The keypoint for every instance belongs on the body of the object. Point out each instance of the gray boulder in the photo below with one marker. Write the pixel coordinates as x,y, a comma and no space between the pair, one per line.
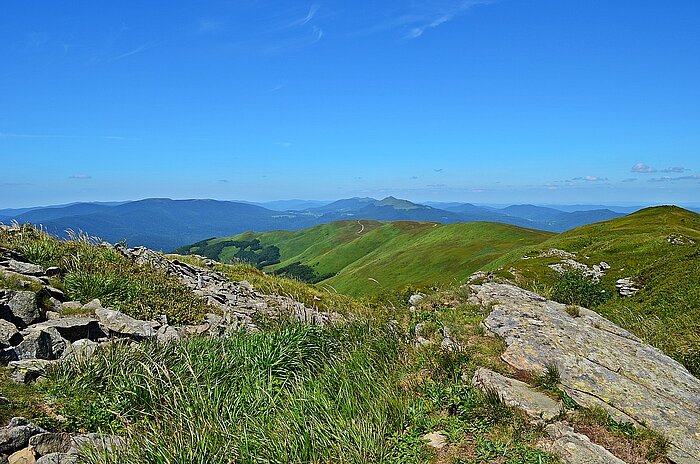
600,364
58,458
48,443
28,370
9,335
80,349
36,345
118,323
15,436
24,268
574,448
20,308
100,442
72,328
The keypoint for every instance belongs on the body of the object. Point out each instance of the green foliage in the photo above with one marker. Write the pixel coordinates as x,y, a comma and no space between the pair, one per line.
575,288
301,272
249,251
549,379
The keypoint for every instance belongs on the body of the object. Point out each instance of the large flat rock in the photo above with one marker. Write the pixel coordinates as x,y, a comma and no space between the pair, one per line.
600,364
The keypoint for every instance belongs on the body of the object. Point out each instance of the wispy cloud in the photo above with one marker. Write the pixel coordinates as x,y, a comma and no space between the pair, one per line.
672,179
223,181
630,179
642,168
80,177
438,170
421,18
591,179
676,170
134,51
413,177
207,25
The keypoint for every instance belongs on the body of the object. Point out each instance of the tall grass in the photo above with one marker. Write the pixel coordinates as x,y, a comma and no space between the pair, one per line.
293,394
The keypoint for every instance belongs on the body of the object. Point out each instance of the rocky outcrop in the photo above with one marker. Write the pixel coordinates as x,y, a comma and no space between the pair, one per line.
600,364
34,333
25,442
626,287
119,324
238,302
517,394
574,448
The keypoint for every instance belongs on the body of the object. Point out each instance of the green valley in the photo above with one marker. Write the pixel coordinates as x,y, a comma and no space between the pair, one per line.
364,257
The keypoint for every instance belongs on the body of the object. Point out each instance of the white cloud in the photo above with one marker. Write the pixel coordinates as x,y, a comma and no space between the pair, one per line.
643,168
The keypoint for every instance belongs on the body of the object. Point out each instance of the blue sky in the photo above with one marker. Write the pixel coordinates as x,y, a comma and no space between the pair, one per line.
505,101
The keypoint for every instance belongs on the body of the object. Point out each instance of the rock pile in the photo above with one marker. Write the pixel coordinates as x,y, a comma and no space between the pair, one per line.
626,287
237,301
35,333
600,364
22,442
595,272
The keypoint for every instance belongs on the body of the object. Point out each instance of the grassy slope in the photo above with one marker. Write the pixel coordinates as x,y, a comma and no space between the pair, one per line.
386,256
291,393
666,312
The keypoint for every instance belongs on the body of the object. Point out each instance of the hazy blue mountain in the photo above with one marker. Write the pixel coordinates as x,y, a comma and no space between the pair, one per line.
291,205
532,212
341,206
567,221
166,224
616,209
39,216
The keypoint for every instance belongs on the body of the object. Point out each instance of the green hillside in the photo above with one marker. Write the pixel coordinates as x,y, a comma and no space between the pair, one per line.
658,248
370,257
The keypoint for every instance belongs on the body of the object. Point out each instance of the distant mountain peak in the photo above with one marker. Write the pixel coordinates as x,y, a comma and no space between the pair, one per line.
397,203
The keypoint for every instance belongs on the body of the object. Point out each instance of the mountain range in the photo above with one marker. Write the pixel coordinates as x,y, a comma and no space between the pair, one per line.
166,224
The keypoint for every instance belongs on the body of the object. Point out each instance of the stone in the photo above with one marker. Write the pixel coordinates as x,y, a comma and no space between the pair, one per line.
80,349
600,364
518,394
55,293
72,328
92,306
436,440
415,299
25,456
118,323
28,370
9,335
167,333
53,271
47,443
36,345
626,287
58,458
21,307
100,442
574,448
15,436
24,268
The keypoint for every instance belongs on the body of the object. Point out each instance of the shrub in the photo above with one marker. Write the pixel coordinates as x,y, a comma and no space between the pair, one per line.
575,288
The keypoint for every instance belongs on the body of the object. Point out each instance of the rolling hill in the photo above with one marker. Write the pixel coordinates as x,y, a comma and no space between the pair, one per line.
658,249
363,257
